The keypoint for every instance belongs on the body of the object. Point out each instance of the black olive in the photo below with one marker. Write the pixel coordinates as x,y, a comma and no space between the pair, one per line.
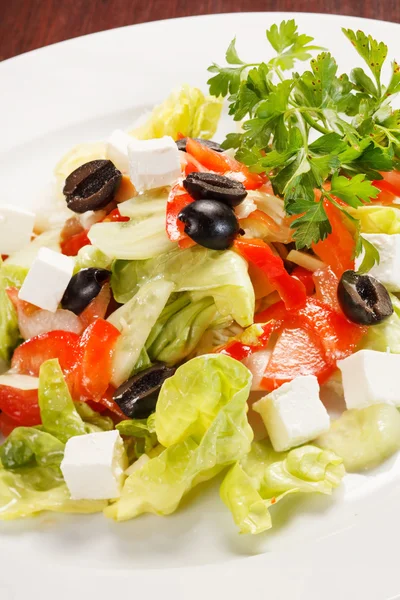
83,288
210,223
211,186
363,299
137,397
92,186
209,143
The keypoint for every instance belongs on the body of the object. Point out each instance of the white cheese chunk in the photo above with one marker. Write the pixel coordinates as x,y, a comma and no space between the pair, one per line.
47,279
388,269
117,149
93,466
370,377
153,163
16,228
293,414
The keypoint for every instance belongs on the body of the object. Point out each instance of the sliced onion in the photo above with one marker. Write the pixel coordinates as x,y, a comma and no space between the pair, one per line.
257,364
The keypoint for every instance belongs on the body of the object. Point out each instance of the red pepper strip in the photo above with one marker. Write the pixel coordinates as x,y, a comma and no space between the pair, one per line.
177,200
291,290
389,183
236,349
222,163
326,285
71,246
337,249
115,217
306,278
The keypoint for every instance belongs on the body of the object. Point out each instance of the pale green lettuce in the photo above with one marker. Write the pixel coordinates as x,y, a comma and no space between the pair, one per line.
386,335
212,430
263,477
364,438
57,410
186,111
93,420
26,255
10,276
28,446
89,256
144,432
378,219
135,321
203,272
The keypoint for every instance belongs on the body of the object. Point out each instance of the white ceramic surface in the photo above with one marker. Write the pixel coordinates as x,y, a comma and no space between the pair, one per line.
344,547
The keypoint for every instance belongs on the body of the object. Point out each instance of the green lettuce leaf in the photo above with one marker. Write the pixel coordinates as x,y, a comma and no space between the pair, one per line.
132,240
364,438
182,332
222,437
263,477
9,331
27,446
386,335
148,204
144,432
27,491
26,255
203,272
191,399
89,256
58,412
378,219
93,420
186,111
135,321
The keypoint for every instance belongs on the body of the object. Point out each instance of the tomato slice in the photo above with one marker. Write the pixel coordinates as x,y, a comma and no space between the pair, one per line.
91,376
7,424
72,245
296,352
20,405
29,356
306,278
291,290
222,163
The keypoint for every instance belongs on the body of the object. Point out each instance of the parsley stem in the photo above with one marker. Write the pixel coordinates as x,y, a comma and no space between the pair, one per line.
302,128
314,124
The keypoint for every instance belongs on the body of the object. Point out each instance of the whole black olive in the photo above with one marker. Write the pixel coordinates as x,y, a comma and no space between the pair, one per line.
92,186
209,143
363,299
211,186
83,288
210,223
137,397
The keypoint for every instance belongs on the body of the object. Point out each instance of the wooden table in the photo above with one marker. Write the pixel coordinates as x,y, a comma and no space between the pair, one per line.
29,24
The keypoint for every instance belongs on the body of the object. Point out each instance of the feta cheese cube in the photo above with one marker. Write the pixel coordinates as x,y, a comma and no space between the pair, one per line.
47,279
117,149
370,377
293,414
153,163
93,466
16,228
388,270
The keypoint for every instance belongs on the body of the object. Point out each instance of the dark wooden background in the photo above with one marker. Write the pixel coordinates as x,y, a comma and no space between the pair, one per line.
29,24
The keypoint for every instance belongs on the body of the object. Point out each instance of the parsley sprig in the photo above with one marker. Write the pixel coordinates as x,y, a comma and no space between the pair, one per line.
313,131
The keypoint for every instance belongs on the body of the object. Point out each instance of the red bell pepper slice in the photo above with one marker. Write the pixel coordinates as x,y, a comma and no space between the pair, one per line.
219,162
72,245
20,405
338,248
291,290
177,200
29,356
306,278
7,424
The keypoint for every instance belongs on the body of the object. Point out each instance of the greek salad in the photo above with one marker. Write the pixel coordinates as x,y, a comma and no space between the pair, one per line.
200,301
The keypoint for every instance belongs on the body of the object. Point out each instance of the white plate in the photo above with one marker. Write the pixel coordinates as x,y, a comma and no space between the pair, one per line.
320,549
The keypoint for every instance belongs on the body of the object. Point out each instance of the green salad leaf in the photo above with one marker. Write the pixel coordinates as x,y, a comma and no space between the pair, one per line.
26,255
27,446
221,437
205,273
386,335
263,477
186,111
364,438
93,420
144,432
27,491
58,412
135,321
9,331
89,256
378,219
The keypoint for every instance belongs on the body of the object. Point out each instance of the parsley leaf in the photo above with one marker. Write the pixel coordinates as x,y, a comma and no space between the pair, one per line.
312,226
231,55
354,191
289,44
374,53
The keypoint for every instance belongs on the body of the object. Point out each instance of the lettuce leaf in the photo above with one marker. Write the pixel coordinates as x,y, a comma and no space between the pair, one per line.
58,412
27,491
76,157
26,255
93,420
386,335
28,445
132,240
191,399
148,204
222,436
135,321
9,331
144,432
263,477
182,332
203,272
186,111
364,438
378,219
89,256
